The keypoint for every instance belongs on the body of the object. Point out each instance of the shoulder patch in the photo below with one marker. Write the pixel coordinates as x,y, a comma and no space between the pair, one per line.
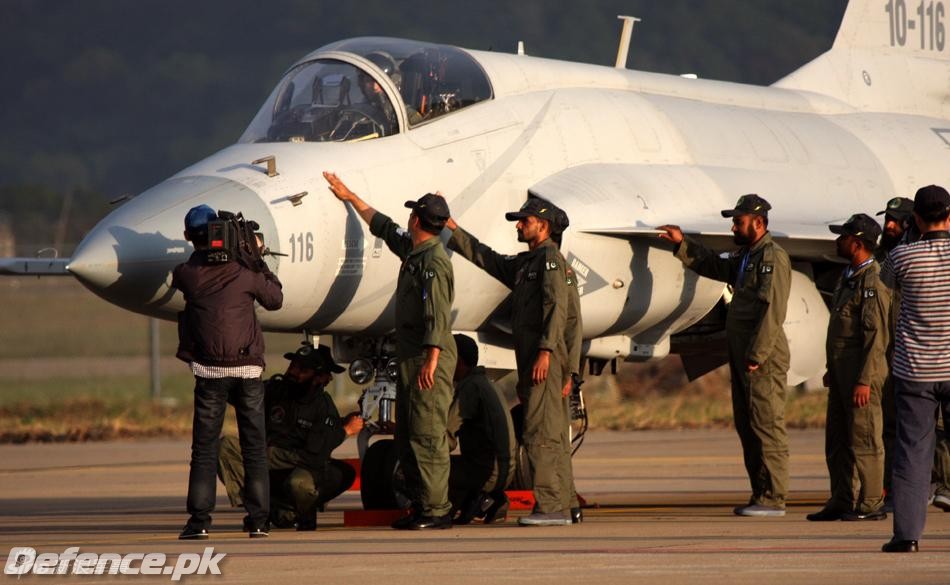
869,293
551,265
428,274
766,268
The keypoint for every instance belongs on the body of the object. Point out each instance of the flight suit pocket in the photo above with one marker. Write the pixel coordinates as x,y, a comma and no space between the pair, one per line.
764,281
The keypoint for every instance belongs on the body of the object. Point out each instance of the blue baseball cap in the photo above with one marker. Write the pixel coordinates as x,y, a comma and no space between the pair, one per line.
198,217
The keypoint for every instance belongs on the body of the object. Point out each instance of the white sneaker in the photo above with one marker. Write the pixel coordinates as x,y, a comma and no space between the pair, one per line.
759,511
550,519
942,502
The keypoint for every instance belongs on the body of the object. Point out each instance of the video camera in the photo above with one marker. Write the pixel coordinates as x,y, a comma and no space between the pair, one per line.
231,237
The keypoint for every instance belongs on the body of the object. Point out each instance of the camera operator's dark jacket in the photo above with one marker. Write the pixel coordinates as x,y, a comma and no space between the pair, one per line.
218,326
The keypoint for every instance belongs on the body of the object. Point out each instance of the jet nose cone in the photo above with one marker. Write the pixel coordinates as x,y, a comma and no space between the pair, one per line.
128,257
127,265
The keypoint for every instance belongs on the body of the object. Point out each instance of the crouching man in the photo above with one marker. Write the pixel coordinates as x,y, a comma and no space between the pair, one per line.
303,429
479,421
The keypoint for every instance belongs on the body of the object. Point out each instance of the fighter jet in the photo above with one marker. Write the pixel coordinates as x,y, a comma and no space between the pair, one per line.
621,151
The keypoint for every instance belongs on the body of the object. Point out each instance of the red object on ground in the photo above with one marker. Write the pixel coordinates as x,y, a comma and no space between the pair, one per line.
355,464
355,518
520,499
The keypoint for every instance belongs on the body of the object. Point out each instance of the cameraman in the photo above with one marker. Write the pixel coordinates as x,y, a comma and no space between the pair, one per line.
220,338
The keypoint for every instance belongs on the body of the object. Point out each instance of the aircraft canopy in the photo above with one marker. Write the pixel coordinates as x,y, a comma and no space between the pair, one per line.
331,100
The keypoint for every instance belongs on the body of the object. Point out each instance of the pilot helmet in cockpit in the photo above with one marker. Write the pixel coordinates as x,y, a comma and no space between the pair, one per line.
387,64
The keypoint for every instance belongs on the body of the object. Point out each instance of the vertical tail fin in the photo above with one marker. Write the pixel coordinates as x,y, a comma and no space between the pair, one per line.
913,28
889,55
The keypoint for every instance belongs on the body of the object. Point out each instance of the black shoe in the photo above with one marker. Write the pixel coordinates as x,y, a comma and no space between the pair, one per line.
404,522
498,512
259,532
431,522
577,515
306,525
900,546
856,516
825,515
281,523
192,533
474,507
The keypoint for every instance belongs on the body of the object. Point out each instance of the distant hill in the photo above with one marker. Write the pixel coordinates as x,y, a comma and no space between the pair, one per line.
105,97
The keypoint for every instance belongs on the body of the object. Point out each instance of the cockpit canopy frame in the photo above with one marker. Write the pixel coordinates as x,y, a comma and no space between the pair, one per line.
368,87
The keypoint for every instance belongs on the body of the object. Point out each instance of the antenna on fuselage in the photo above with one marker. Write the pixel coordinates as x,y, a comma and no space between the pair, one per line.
521,47
625,34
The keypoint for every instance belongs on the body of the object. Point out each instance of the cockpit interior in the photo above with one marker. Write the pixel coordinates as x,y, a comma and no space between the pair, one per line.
333,100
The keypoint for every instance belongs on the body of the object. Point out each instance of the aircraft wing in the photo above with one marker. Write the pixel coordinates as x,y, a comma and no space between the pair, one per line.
803,241
34,267
629,201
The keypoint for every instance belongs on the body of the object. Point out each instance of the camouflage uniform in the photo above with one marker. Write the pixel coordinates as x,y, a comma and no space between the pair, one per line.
303,429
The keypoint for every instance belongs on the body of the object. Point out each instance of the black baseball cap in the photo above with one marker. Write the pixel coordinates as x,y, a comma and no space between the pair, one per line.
859,225
900,208
562,222
931,200
316,358
467,349
537,207
750,204
430,207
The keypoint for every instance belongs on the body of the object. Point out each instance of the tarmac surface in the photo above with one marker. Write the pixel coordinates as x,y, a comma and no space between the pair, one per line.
663,514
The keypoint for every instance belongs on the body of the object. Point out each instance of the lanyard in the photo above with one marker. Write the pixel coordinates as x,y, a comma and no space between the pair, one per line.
849,271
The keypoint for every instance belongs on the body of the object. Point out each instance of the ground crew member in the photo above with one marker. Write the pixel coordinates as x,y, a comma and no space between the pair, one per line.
221,340
899,228
921,364
760,273
856,350
479,422
426,350
538,281
574,339
303,429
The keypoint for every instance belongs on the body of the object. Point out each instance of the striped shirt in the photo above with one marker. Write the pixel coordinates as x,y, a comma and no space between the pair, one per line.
921,272
217,372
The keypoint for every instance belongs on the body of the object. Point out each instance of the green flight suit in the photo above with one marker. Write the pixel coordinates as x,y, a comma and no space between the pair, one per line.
424,294
539,306
303,429
479,421
574,340
755,334
940,475
856,350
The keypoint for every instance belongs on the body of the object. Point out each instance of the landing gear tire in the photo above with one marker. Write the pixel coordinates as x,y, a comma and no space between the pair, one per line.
377,471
